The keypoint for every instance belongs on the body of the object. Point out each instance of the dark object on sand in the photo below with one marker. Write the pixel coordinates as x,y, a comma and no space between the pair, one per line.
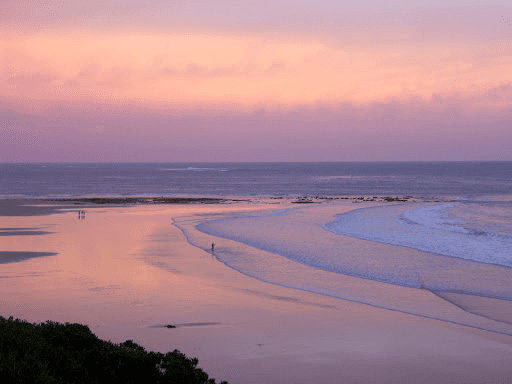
170,326
213,246
303,201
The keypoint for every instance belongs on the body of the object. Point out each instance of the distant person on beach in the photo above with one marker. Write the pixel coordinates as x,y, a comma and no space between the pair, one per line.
213,246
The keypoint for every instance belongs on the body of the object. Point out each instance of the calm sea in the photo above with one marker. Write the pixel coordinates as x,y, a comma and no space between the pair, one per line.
418,179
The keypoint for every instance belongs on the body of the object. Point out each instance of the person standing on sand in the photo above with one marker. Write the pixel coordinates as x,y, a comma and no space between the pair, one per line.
213,246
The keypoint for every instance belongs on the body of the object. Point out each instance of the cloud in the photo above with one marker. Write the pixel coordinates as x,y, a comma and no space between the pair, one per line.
276,80
192,69
186,53
367,21
442,128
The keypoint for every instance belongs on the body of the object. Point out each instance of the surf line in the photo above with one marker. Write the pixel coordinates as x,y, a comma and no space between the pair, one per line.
190,241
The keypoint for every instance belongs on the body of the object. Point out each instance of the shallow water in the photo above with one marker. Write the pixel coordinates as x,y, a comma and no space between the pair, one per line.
299,252
469,230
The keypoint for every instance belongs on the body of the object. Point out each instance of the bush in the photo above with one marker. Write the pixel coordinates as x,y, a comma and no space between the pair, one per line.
54,353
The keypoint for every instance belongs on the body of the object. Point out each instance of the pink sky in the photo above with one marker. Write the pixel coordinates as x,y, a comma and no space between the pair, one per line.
277,81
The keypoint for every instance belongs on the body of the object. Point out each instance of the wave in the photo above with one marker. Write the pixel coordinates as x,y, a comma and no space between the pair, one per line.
194,169
290,248
356,177
428,229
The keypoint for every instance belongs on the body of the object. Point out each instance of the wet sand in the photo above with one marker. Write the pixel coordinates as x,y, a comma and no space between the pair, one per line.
127,272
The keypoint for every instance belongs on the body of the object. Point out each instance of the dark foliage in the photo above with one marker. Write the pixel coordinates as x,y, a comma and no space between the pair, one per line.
54,353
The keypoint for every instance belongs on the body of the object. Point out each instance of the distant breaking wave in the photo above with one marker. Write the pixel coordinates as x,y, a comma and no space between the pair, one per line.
194,169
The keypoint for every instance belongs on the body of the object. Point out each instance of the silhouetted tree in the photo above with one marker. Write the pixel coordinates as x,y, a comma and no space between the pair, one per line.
54,353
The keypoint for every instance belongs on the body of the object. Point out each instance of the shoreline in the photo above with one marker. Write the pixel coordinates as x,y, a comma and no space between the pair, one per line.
126,271
27,206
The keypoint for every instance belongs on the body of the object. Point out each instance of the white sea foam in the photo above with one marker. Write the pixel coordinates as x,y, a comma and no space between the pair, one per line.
356,177
299,254
427,229
432,217
194,169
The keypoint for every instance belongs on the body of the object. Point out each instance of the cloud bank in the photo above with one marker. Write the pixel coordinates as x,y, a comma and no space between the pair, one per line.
230,81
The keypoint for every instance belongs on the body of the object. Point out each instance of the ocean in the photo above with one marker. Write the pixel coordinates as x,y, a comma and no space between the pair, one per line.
476,223
419,179
452,237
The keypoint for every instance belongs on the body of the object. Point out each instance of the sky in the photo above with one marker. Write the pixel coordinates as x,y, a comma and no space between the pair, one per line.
280,80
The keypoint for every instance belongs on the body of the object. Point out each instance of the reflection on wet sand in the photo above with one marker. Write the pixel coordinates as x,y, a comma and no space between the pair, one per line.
128,272
18,256
22,232
276,249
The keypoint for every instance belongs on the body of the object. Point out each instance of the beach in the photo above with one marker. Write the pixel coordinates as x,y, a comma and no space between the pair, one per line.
129,270
281,192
